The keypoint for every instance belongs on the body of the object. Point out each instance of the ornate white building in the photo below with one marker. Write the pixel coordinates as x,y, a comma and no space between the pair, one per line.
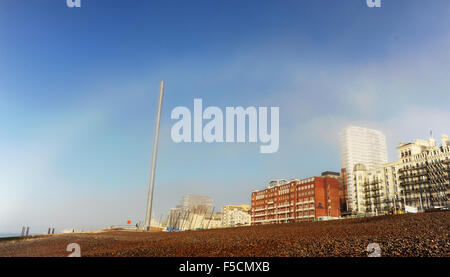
420,178
424,172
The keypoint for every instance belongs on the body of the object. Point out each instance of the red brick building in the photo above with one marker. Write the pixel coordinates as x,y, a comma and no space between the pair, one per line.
298,200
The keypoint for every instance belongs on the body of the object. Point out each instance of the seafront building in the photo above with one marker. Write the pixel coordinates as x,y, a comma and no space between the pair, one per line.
424,172
375,191
298,200
361,146
183,220
212,221
236,215
419,178
194,212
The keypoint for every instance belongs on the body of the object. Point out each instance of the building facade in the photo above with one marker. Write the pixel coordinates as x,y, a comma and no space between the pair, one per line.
191,214
297,200
418,179
212,221
361,146
183,220
236,215
424,173
375,191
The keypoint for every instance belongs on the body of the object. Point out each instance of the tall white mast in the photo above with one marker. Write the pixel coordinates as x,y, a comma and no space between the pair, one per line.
155,151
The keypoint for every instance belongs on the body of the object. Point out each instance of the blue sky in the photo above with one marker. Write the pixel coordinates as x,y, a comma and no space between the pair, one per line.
78,93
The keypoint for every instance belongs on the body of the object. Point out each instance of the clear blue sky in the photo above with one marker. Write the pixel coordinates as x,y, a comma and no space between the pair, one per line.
78,93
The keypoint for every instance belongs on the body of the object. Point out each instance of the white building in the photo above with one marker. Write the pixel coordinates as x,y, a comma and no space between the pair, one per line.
361,146
424,173
376,191
187,220
212,221
419,179
236,215
191,213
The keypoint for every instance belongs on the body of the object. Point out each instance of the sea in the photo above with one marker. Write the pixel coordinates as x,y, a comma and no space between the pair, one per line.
8,235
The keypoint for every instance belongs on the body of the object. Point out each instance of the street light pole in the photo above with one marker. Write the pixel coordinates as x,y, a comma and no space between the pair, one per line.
155,151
